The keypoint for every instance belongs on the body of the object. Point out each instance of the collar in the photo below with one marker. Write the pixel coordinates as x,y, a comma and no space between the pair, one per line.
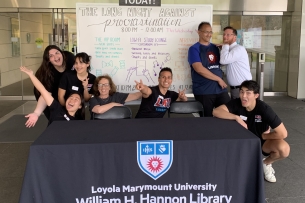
204,44
232,45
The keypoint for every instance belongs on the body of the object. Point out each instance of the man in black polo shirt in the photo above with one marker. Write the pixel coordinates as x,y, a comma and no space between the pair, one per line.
259,118
157,99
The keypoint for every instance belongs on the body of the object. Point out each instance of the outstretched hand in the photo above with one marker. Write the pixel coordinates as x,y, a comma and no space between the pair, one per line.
26,70
139,85
32,119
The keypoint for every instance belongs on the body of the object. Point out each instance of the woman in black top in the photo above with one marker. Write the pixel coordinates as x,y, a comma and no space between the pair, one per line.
74,104
80,81
49,74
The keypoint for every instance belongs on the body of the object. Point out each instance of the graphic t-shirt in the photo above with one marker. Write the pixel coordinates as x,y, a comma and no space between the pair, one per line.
209,57
156,105
259,119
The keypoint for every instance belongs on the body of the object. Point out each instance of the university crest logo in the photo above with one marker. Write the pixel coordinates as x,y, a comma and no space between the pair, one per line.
155,157
212,58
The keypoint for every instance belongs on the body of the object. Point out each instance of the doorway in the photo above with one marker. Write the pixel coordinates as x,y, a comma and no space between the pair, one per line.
24,37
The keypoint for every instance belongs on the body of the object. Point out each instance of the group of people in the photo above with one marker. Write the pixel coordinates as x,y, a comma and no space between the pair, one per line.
244,105
65,89
64,86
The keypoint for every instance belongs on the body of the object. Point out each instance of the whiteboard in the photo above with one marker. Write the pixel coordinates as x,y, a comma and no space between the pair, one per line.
132,43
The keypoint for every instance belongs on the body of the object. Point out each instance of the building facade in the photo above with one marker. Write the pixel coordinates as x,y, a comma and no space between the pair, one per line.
28,26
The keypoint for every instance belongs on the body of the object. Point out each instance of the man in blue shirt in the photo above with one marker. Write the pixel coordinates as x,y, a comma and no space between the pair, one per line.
208,86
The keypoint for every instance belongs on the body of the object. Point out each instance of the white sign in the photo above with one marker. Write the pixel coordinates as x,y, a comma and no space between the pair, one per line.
248,39
257,37
133,43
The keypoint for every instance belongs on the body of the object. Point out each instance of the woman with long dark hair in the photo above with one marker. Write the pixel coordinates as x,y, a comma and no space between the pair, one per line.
49,74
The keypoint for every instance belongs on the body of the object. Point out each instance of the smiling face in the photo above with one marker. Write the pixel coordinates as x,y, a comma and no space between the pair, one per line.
248,98
80,66
73,103
205,33
229,37
56,57
165,79
103,88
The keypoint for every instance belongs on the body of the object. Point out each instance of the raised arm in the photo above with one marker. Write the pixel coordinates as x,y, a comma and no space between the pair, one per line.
86,94
44,93
133,96
223,112
61,96
33,117
144,89
227,57
198,67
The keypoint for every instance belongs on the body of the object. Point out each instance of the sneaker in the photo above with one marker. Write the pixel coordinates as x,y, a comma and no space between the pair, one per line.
269,173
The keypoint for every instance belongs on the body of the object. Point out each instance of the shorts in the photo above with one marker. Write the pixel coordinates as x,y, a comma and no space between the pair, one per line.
262,143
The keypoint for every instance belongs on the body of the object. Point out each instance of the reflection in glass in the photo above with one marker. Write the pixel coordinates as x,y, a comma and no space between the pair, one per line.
260,34
15,37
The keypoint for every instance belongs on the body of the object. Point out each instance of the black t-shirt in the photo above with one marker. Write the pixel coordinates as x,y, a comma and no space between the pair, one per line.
259,119
70,82
70,59
156,105
54,87
58,113
117,97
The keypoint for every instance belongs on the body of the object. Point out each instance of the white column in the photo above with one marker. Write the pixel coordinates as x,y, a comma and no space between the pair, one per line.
301,74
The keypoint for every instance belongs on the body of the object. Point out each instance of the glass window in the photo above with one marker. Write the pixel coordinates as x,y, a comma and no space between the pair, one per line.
10,55
259,34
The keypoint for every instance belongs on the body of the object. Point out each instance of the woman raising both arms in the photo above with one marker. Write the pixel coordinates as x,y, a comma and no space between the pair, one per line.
74,105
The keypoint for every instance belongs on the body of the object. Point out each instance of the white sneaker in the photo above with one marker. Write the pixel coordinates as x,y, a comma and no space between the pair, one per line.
269,173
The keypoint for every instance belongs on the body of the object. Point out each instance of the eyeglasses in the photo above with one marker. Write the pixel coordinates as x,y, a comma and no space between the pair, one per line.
224,34
206,32
103,85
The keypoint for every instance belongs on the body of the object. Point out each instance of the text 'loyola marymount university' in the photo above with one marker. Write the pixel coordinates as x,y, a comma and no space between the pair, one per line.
142,188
